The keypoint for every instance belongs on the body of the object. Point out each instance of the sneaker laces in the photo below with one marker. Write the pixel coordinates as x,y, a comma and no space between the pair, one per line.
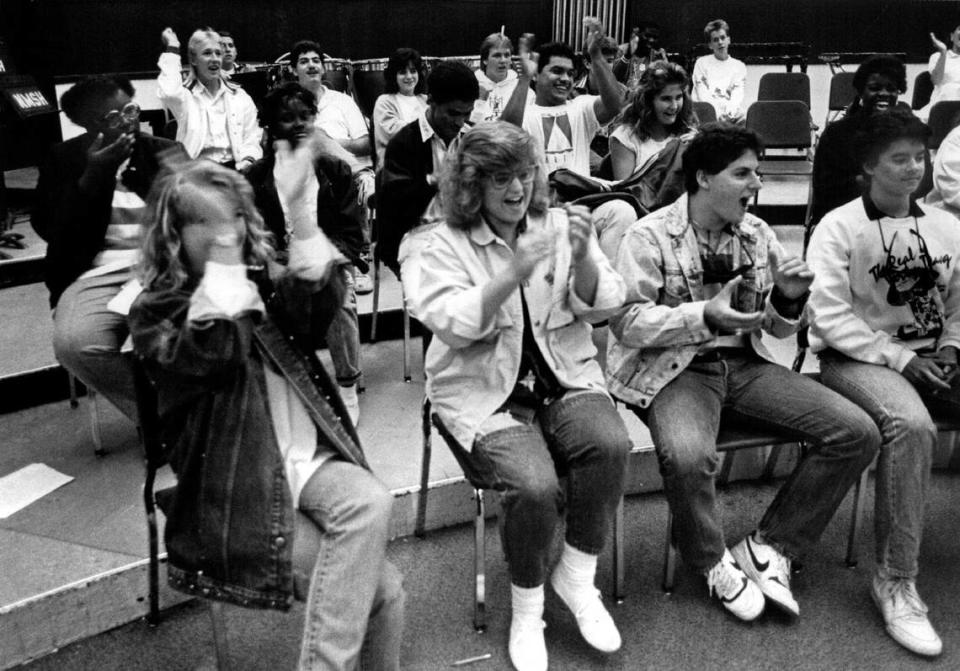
723,581
904,597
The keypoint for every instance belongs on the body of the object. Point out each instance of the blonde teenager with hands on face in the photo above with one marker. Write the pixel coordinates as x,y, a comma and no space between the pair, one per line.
257,432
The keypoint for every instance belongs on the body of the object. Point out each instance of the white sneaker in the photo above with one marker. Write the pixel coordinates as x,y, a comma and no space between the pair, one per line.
350,400
528,650
906,615
736,592
362,284
769,569
595,624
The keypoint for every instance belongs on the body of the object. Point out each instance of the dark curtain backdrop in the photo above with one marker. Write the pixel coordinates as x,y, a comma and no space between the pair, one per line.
58,37
827,25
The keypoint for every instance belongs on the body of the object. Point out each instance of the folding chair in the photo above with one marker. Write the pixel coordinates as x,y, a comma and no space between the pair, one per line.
785,86
944,117
479,520
306,546
336,74
368,83
842,94
705,112
783,124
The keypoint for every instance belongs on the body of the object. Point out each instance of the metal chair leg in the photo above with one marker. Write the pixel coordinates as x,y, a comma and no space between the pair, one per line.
153,569
406,344
376,300
419,529
479,555
669,557
725,468
618,568
95,433
72,382
859,507
220,636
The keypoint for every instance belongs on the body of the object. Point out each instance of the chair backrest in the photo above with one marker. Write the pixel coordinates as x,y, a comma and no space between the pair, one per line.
782,124
842,92
922,90
336,74
705,112
368,83
785,86
944,116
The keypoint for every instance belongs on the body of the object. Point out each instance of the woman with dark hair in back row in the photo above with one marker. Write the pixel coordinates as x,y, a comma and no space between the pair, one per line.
879,81
404,99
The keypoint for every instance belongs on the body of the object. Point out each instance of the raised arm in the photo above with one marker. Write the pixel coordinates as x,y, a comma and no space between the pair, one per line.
608,105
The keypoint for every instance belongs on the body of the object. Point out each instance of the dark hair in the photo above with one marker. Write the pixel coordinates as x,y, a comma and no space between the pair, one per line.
879,131
452,80
398,61
490,42
551,49
640,114
80,99
277,97
714,26
224,33
889,66
716,146
303,47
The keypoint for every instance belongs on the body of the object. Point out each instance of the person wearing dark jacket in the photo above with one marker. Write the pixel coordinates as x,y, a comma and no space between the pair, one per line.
879,81
408,181
288,112
89,205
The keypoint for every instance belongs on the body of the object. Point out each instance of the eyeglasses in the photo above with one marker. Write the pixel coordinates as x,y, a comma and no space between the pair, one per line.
504,178
114,119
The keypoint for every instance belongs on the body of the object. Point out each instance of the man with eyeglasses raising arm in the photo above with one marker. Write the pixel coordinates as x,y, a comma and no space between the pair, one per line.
90,202
703,278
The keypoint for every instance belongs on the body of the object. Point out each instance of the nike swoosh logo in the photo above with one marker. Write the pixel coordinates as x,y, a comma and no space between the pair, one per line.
760,567
734,597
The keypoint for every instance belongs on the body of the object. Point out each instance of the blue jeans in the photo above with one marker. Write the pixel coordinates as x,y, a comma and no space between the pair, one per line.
87,338
354,613
581,436
684,419
906,452
343,335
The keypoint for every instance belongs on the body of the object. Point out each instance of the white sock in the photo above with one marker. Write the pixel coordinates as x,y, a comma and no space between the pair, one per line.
526,602
573,578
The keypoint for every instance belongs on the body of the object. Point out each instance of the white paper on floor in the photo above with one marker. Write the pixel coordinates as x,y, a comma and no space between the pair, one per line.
21,488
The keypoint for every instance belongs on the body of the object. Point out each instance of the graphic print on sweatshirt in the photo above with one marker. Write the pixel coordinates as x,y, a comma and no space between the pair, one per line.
911,277
558,141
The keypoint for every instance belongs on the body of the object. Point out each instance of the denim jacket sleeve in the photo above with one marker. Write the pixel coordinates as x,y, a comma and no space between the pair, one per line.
659,310
450,298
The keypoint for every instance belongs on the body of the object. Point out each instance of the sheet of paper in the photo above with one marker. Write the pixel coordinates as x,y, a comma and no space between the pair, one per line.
21,488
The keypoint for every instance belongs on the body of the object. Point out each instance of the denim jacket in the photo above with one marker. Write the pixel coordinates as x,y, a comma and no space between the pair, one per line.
661,328
230,519
472,365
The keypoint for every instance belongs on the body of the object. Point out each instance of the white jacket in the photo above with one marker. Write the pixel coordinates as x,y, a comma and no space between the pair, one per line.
185,105
472,365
